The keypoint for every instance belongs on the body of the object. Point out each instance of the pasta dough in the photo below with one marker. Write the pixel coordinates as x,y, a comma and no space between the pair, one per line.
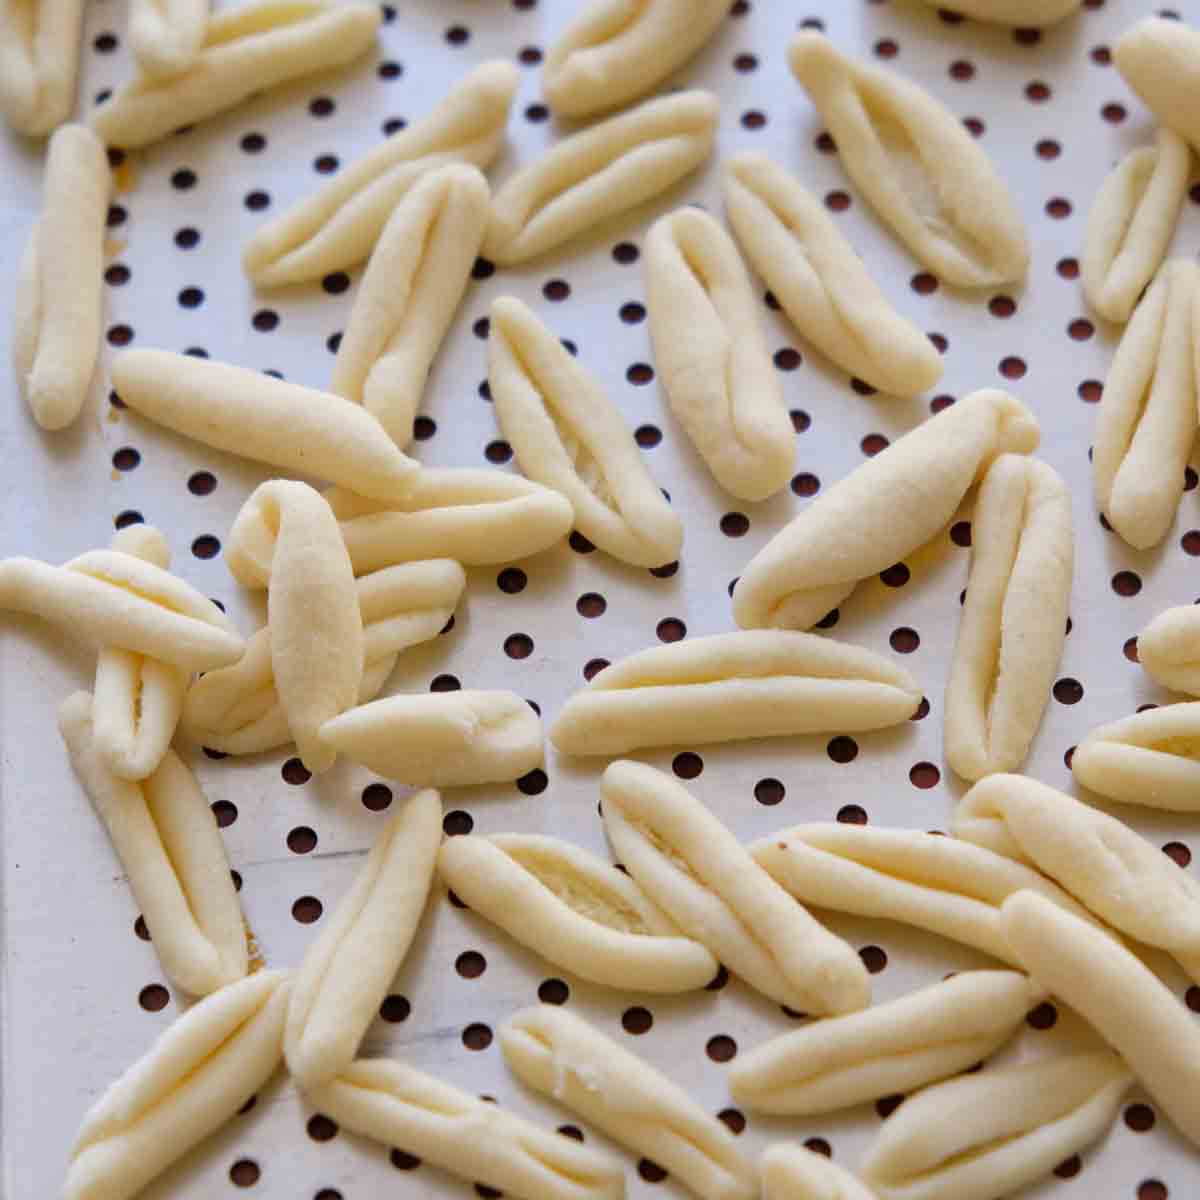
575,911
39,62
712,356
796,1173
195,1078
245,412
760,683
880,512
1014,618
246,50
569,436
820,281
1024,14
56,330
599,172
1147,419
919,169
412,287
1160,60
347,971
886,1050
166,35
1169,649
560,1055
616,51
693,868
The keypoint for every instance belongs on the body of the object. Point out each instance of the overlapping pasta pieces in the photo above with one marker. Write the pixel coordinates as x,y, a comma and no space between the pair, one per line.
166,35
1169,649
1024,14
1160,59
758,683
337,226
1014,617
237,711
574,910
195,1078
247,49
797,1173
889,1049
256,416
988,1135
820,281
563,1057
615,51
599,172
346,973
880,512
58,305
39,62
918,167
441,739
1148,413
478,1141
1131,223
712,356
693,868
409,294
568,435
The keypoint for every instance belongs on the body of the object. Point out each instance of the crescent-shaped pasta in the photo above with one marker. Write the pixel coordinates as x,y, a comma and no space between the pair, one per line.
39,62
472,1138
194,1078
820,281
1169,649
599,172
1160,60
1147,419
988,1135
256,416
57,310
758,683
695,870
712,356
568,435
919,169
1024,14
574,910
560,1055
886,1050
616,51
166,35
346,973
1117,995
880,512
1014,618
797,1173
336,227
409,294
246,50
441,739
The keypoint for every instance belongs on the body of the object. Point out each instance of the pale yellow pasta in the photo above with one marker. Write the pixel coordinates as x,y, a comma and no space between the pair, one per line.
39,62
1160,60
1169,649
166,35
797,1173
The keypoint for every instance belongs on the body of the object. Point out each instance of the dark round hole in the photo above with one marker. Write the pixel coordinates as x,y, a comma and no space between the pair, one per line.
154,997
687,765
183,179
512,580
924,775
395,1008
445,683
1012,367
245,1172
1068,691
265,320
322,1128
671,629
632,313
591,604
553,991
477,1036
1139,1117
206,546
533,784
805,484
895,576
721,1048
735,524
307,910
842,749
637,1020
518,645
873,443
874,958
376,796
1178,853
640,373
129,517
647,436
556,289
625,253
1126,583
457,823
1044,1016
126,458
904,640
302,840
593,667
470,964
403,1161
497,452
225,812
202,483
800,420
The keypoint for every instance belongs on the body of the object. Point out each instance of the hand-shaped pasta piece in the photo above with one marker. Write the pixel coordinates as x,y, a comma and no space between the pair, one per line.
409,293
920,170
336,227
797,1173
166,35
712,356
1130,226
236,710
1160,60
441,739
246,50
1014,618
988,1135
472,1138
759,683
1117,995
599,172
880,512
819,279
948,887
1147,419
346,973
885,1050
616,51
1024,14
195,1078
569,436
39,62
1169,649
560,1055
256,416
694,869
574,910
56,334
